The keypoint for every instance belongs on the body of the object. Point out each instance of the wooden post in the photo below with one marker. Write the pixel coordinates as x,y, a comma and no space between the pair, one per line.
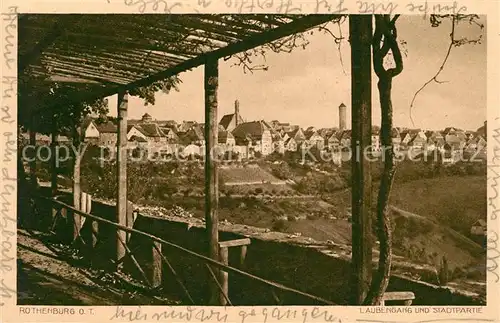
32,162
130,219
224,258
243,255
361,71
211,175
78,199
121,199
156,265
53,160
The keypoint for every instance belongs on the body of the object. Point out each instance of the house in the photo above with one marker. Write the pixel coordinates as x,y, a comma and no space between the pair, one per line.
297,134
170,134
278,142
326,132
435,140
185,126
455,139
152,132
256,135
226,139
469,135
450,154
418,140
405,137
135,142
332,141
313,139
135,131
396,139
481,131
375,140
290,144
476,143
169,124
275,124
479,228
344,138
90,131
195,136
107,133
310,129
230,121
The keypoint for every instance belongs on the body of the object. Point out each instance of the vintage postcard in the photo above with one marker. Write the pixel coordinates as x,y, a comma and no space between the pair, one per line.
250,161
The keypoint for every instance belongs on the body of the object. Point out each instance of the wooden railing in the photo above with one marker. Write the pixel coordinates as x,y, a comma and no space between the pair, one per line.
61,209
220,276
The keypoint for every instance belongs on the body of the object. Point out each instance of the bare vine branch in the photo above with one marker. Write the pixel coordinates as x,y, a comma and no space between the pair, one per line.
384,40
436,21
283,45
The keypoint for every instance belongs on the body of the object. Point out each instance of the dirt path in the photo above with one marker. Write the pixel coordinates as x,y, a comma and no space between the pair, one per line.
45,278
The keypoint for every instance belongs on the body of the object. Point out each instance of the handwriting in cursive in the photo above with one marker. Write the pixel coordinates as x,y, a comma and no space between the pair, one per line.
10,30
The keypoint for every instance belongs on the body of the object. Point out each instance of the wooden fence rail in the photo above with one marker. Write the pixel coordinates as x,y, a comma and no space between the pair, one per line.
59,207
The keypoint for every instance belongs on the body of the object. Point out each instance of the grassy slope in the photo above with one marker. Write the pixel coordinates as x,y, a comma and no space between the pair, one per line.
446,208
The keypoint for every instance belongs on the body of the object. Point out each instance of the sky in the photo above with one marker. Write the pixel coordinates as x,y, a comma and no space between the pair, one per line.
306,87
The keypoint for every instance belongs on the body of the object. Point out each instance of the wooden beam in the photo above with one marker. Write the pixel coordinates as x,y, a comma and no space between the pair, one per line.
234,243
211,171
156,265
121,199
398,296
53,160
77,191
360,27
32,162
224,258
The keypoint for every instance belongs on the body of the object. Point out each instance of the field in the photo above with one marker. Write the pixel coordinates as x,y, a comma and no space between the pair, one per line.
453,201
248,174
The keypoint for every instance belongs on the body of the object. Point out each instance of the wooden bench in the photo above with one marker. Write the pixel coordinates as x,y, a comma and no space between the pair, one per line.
406,297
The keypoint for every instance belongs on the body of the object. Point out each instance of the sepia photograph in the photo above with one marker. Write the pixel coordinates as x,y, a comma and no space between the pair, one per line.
252,159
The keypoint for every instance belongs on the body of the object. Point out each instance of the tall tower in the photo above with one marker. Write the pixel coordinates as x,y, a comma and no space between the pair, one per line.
236,112
342,117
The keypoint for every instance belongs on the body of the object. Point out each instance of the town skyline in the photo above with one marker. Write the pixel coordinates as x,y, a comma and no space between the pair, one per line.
307,85
302,126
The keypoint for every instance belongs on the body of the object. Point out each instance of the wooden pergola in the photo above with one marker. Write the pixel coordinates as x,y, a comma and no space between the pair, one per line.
94,56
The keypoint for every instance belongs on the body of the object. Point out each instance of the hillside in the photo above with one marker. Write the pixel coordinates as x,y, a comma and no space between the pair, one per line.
453,201
249,174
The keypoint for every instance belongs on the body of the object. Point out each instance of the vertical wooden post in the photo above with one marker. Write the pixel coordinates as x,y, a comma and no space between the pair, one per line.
94,225
243,255
211,175
361,71
156,265
54,162
121,199
32,162
130,218
77,192
224,258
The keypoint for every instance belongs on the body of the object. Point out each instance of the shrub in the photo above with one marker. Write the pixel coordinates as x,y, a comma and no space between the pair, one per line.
312,217
258,190
279,225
